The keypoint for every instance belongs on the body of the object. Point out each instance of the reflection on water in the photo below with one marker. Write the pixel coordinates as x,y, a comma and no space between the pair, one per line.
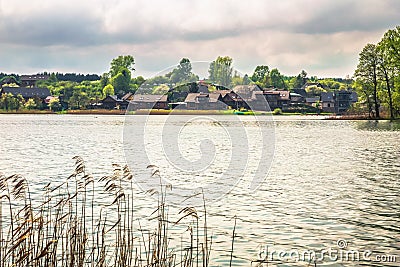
378,125
330,180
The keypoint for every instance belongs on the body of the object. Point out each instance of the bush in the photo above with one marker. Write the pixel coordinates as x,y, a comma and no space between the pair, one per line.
277,111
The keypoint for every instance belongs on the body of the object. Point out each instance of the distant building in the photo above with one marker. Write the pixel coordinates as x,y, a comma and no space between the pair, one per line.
342,101
30,80
301,92
312,101
246,91
9,80
297,98
26,93
338,101
113,102
328,103
277,99
148,101
234,100
205,101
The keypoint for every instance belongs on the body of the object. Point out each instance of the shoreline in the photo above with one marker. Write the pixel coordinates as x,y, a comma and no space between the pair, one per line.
326,116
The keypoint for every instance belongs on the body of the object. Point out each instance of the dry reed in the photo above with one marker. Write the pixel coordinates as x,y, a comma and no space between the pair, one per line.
68,228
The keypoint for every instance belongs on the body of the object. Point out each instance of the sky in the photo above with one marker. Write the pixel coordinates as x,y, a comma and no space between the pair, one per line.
323,37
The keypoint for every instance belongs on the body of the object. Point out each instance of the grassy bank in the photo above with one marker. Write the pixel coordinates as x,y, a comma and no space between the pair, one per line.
26,111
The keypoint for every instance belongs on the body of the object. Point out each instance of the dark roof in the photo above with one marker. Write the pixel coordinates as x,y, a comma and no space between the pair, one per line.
10,79
35,77
300,92
281,95
295,95
127,96
232,96
191,97
246,91
222,92
112,98
312,99
27,92
150,98
327,97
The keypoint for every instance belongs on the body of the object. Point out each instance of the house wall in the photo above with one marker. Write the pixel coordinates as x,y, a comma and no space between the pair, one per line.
328,107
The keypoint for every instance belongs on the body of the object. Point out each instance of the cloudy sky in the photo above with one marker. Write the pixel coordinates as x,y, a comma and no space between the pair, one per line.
323,37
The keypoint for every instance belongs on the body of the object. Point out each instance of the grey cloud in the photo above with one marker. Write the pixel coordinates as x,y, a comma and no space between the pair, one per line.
87,28
41,29
356,15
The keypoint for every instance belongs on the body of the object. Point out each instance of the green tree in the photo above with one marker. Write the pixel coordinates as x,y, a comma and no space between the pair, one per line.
388,68
299,80
122,63
161,89
20,101
277,79
108,90
364,94
314,90
53,78
367,72
246,79
104,80
121,81
136,83
78,100
261,76
30,104
220,71
5,101
182,73
55,104
237,80
391,43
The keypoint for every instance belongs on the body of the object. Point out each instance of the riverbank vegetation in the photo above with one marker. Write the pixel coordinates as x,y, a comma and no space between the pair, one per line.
74,226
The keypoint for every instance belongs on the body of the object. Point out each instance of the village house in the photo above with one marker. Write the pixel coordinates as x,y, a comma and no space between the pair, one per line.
246,91
147,101
234,101
296,98
277,99
113,102
30,80
328,102
205,101
253,97
338,101
312,101
26,93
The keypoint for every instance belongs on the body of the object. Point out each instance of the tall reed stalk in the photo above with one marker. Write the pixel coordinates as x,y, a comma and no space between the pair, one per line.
70,228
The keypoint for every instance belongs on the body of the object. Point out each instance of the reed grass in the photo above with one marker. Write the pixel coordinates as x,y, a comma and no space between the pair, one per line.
69,228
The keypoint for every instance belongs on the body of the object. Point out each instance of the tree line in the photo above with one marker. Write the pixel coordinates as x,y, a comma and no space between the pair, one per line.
377,77
80,90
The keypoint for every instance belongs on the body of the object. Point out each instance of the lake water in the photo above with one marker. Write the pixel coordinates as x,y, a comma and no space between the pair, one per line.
329,182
